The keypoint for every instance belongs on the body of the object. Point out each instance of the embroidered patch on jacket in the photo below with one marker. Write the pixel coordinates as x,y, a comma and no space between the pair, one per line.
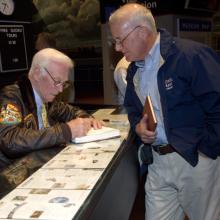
10,115
169,84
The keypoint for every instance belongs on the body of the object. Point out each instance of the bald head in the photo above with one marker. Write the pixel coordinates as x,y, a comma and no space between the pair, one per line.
134,14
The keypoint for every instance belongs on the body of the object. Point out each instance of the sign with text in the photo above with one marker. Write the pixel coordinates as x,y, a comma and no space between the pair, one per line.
13,52
189,24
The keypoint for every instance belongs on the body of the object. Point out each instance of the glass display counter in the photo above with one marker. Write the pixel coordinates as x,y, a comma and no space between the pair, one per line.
96,180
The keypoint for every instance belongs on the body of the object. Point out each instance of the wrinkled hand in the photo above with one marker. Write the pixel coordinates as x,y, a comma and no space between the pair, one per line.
142,131
80,126
97,124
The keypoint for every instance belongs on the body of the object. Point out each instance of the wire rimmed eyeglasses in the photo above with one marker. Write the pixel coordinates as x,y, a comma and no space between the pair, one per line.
121,41
58,83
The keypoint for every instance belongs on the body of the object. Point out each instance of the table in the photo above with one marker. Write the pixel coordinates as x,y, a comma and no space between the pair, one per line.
96,180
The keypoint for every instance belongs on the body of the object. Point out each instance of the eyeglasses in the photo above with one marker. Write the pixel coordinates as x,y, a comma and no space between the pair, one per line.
120,42
58,83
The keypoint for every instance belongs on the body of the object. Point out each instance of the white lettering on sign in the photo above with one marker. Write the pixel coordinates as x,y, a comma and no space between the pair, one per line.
4,30
14,53
16,30
11,42
15,60
12,35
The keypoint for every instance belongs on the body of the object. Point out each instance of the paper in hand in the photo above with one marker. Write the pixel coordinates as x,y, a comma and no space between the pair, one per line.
148,109
98,134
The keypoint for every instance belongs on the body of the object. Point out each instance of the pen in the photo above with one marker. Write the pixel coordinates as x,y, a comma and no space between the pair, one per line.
114,121
106,120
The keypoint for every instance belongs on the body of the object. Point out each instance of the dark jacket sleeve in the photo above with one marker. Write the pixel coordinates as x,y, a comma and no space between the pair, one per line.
23,136
16,140
206,89
132,103
64,112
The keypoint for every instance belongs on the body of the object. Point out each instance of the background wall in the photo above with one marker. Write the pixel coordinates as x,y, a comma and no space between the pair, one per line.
81,30
16,39
192,19
76,27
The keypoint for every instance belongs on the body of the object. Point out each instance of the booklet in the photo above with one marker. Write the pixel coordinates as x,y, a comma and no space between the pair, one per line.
148,109
98,134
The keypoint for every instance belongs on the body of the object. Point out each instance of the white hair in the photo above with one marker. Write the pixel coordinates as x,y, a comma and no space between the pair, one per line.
135,14
45,57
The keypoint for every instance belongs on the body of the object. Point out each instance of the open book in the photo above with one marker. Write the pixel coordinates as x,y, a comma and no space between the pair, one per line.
96,135
148,109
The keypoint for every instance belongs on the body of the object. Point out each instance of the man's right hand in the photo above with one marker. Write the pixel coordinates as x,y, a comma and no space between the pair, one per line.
79,126
147,137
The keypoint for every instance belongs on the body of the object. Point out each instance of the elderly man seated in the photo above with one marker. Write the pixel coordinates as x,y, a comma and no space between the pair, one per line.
33,128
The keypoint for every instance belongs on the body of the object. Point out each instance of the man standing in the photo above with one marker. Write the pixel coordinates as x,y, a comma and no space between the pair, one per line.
182,77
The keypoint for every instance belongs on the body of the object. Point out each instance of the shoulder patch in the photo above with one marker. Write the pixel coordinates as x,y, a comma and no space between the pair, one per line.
10,114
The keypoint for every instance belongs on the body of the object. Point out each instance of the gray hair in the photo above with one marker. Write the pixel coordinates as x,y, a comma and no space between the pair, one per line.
45,57
135,14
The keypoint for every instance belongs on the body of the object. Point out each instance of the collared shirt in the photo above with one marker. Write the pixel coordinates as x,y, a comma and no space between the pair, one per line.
39,104
148,86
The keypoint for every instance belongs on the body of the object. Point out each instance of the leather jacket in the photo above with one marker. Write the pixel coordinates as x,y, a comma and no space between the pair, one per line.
23,135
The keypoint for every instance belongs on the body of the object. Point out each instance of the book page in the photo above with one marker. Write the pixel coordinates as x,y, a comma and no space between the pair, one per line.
98,134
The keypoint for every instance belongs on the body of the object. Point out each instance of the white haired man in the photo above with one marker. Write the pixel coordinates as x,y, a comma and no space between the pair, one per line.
30,121
182,77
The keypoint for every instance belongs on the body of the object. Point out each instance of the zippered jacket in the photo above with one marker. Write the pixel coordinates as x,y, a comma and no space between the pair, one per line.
19,131
189,88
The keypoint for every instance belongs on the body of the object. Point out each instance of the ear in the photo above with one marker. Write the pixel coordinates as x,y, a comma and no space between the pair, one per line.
37,75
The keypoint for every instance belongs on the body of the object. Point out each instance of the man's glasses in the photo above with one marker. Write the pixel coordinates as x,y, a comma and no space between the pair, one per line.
58,82
120,42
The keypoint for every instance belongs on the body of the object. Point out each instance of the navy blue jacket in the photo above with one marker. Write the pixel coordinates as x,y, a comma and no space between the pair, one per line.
189,87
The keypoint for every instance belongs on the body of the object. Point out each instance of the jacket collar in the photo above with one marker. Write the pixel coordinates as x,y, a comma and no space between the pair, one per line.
27,93
167,44
167,47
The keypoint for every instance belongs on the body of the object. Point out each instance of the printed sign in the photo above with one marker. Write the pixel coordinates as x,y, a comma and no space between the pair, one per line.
186,24
13,52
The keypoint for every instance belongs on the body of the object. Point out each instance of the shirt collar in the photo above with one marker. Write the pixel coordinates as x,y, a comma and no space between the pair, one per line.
38,99
151,57
152,53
